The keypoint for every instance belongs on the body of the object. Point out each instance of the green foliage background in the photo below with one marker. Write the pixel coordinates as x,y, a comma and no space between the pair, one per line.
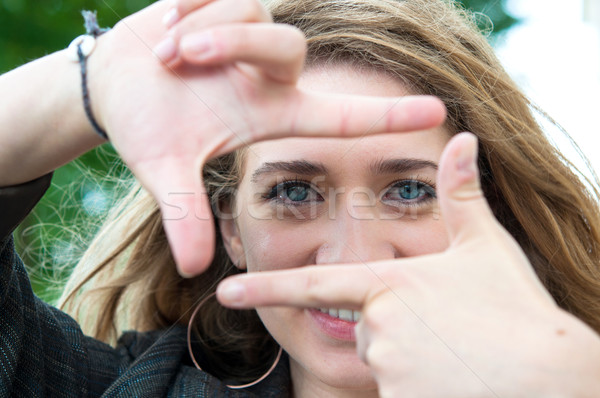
51,240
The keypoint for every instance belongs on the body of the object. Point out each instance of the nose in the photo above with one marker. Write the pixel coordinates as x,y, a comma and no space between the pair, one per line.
354,240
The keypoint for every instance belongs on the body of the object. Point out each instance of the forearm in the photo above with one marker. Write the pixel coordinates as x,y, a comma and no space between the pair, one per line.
42,121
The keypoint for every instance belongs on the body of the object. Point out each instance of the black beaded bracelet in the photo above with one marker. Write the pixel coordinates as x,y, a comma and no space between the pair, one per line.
79,50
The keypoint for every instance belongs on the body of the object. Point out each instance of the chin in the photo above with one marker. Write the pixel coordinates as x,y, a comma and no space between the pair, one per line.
349,379
335,366
317,354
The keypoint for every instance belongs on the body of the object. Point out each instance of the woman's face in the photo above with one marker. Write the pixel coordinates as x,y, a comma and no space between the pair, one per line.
304,201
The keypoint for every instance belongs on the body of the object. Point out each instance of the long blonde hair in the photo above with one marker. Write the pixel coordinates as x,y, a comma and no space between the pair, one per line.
127,279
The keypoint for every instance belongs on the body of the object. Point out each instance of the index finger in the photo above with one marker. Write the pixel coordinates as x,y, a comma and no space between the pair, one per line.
343,286
357,115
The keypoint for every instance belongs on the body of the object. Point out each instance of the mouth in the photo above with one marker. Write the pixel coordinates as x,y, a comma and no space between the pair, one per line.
343,314
335,322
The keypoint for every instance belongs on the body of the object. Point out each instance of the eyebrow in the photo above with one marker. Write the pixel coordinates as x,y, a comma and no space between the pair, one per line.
398,166
306,168
302,167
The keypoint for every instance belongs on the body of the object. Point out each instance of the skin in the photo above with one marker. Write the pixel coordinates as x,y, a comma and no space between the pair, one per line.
344,227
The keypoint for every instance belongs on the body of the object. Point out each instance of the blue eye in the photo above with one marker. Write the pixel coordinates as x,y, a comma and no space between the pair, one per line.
410,191
294,192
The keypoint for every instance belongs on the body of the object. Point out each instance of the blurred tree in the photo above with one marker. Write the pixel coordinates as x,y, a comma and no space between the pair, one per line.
494,10
30,29
53,237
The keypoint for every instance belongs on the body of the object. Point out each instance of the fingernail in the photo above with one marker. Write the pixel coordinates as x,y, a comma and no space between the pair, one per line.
198,44
171,18
465,161
231,292
166,50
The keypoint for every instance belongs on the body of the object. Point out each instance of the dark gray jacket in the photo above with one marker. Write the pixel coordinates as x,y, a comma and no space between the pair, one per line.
43,352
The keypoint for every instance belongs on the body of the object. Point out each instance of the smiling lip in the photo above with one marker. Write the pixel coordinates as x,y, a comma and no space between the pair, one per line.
333,327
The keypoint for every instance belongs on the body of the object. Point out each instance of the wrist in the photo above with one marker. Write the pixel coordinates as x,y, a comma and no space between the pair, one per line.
73,123
79,51
98,79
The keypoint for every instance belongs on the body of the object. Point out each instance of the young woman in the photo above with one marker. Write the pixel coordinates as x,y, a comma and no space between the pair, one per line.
419,262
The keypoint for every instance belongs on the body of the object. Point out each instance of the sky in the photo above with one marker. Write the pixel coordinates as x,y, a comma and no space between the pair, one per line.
555,57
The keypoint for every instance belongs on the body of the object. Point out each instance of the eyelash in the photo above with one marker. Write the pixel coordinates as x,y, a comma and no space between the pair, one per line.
426,185
277,191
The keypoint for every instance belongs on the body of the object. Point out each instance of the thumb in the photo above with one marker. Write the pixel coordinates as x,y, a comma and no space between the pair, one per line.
187,219
464,209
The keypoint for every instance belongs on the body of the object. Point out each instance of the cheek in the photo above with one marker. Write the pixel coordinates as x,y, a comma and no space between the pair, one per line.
282,323
272,245
420,238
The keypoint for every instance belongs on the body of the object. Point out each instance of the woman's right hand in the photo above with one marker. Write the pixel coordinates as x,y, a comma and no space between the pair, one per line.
226,78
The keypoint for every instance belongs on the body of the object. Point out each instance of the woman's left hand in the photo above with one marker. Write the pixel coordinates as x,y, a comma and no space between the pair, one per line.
473,321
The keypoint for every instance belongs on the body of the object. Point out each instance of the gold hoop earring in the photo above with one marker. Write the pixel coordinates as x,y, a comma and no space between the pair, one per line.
189,343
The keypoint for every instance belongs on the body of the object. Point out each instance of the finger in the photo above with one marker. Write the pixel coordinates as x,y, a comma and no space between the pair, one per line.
465,210
202,14
363,340
181,8
213,13
186,214
322,115
341,286
345,115
278,50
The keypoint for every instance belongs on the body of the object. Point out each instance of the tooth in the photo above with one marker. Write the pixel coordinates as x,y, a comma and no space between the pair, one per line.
333,312
345,315
356,316
325,310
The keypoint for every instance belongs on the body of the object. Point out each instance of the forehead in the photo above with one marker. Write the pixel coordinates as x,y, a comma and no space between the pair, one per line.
347,79
343,153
